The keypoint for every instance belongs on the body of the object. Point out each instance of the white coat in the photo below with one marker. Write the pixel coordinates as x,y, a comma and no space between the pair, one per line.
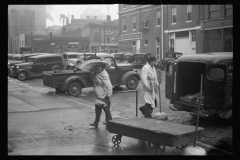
102,86
150,84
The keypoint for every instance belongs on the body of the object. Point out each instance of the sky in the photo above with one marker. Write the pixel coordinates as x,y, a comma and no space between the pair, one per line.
54,11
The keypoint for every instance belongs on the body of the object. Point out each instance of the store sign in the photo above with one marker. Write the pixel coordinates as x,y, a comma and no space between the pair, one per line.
73,42
130,36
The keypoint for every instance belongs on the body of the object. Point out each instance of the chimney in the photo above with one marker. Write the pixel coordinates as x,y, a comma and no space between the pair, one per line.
50,35
63,22
108,18
67,21
72,17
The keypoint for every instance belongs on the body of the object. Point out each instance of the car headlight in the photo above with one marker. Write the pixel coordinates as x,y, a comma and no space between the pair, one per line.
17,67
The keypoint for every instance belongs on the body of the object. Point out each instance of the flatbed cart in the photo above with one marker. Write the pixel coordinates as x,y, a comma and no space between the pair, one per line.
159,134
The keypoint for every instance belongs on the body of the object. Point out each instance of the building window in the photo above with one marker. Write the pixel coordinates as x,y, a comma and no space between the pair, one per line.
228,10
214,11
146,20
171,42
228,40
174,14
134,22
124,25
158,18
146,42
214,40
193,36
189,12
134,43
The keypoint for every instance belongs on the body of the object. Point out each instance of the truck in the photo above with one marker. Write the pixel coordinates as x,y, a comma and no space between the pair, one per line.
73,82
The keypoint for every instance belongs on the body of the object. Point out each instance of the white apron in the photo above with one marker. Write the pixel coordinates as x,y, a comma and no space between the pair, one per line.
149,81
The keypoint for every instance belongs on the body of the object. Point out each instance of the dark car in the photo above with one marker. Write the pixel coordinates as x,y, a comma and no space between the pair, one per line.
183,81
119,57
169,57
129,57
74,82
141,59
36,65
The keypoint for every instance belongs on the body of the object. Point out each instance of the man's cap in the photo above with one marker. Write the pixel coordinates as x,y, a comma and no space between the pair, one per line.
152,58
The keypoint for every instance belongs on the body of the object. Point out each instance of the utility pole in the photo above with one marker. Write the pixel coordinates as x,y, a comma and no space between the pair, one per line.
104,35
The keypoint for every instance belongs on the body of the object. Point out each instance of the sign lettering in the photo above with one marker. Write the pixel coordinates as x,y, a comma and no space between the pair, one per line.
130,36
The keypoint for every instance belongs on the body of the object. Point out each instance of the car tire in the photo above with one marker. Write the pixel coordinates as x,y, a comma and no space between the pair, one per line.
74,89
132,83
22,76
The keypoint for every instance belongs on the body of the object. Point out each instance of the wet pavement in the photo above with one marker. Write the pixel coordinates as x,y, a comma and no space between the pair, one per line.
43,123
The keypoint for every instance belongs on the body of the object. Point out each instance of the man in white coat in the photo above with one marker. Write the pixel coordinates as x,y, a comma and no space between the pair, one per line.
103,91
150,87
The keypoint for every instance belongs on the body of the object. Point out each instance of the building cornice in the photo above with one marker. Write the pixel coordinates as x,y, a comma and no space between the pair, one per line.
183,29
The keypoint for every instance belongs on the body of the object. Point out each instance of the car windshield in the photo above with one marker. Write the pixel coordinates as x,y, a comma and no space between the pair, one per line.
140,56
72,56
31,59
128,56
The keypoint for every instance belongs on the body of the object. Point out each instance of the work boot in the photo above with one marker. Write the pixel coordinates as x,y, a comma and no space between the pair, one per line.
95,124
142,109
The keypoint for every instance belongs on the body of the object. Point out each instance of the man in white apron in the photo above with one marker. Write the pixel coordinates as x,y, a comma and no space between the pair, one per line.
150,87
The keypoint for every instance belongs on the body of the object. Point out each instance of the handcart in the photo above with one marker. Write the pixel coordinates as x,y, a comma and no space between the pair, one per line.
157,133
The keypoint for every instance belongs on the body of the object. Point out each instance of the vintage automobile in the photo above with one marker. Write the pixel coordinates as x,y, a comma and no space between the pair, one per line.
11,55
119,57
183,78
68,56
141,59
36,65
169,56
73,82
129,57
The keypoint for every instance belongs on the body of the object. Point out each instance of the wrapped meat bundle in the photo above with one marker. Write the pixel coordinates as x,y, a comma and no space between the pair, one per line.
91,65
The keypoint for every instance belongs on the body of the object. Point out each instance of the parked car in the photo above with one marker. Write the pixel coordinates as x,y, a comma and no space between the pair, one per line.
73,82
36,65
10,56
169,57
129,57
119,57
141,59
67,56
183,77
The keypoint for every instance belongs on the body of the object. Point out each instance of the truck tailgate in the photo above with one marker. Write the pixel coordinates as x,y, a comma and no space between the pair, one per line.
47,80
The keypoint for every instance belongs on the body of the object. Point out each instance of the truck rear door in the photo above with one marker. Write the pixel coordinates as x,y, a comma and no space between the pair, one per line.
215,86
170,81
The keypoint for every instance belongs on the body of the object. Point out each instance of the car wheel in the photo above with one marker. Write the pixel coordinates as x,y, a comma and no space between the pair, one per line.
132,83
22,76
74,89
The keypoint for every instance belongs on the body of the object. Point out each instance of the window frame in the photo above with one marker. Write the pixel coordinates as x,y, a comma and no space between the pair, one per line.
124,25
146,44
189,7
159,18
146,18
174,14
134,23
215,10
226,9
133,43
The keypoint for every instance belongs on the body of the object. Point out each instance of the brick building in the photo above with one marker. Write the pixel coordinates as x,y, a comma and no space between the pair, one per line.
189,29
53,45
103,37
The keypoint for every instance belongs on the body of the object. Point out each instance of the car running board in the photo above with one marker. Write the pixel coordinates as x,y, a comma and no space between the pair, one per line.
200,115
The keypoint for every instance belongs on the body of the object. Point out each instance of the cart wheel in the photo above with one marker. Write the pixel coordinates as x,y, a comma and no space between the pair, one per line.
116,139
162,149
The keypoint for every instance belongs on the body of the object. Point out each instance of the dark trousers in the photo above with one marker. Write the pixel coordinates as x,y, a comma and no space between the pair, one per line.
147,109
98,112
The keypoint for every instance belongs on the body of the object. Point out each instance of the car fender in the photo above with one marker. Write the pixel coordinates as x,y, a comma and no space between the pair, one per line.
56,66
124,78
24,70
71,79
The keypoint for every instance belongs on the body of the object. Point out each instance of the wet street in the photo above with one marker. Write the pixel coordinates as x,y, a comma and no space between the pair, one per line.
41,122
